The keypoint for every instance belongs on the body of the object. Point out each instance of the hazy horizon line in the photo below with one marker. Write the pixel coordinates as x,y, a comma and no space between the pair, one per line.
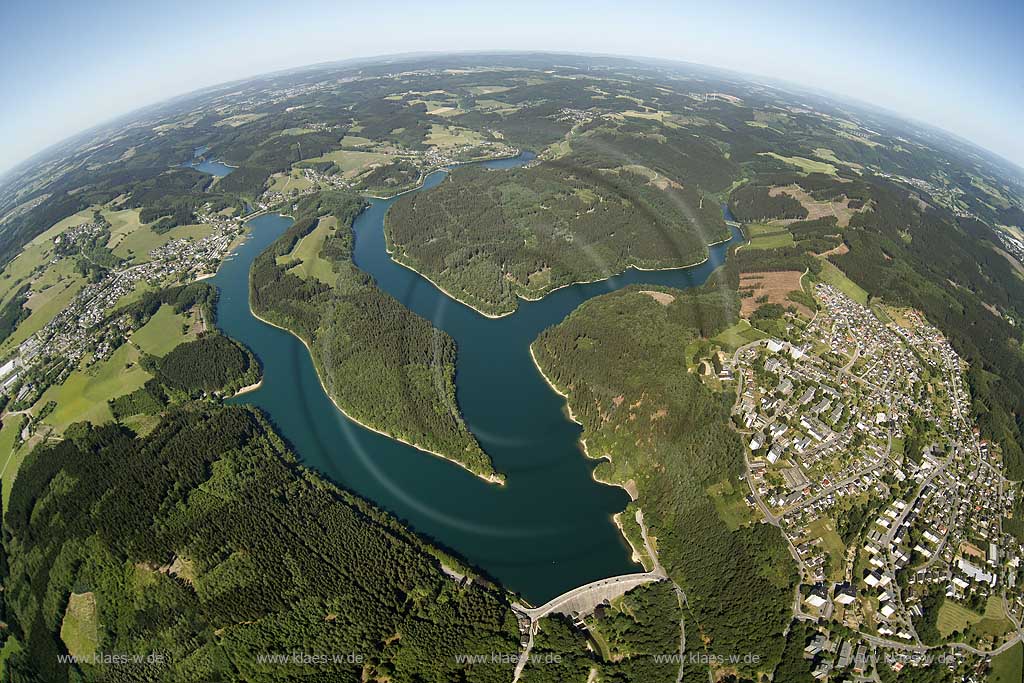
380,58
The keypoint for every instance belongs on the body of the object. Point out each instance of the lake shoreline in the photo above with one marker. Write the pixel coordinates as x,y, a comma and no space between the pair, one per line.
248,388
589,456
582,441
495,478
399,259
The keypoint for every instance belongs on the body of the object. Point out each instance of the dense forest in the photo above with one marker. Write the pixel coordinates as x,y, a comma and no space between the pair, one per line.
620,358
384,365
751,203
13,311
635,639
488,236
212,362
208,551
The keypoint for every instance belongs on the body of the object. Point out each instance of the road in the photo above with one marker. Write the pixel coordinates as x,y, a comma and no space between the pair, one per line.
584,599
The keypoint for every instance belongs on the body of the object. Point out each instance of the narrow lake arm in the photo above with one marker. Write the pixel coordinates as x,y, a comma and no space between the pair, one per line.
382,365
490,237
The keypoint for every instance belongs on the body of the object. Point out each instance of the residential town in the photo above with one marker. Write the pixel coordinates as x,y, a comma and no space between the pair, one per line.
862,450
84,332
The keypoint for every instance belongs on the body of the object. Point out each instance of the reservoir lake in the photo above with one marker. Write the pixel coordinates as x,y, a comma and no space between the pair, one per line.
550,527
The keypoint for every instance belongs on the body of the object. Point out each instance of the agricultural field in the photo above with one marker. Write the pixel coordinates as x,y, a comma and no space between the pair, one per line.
767,236
164,331
84,394
772,284
804,164
307,251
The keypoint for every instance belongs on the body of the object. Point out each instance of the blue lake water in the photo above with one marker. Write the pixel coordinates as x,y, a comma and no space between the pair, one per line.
214,168
550,527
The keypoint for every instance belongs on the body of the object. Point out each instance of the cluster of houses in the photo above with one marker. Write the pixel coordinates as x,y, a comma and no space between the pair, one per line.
84,328
828,414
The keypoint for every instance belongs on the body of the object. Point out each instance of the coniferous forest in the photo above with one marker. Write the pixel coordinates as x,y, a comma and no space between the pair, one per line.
382,364
621,359
206,550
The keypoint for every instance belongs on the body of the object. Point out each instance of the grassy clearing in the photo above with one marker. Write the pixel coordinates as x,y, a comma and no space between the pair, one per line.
804,164
768,237
11,647
10,456
1009,666
355,142
487,89
307,250
285,182
729,504
837,278
36,254
753,230
84,394
858,138
815,209
898,316
163,332
736,336
141,287
439,107
352,162
994,622
295,131
496,106
825,529
776,285
955,617
122,224
239,120
452,136
80,627
830,156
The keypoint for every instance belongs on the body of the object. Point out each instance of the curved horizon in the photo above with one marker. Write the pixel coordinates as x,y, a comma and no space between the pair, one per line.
901,60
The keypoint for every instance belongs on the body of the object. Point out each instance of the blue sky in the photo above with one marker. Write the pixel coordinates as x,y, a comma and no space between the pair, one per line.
66,66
